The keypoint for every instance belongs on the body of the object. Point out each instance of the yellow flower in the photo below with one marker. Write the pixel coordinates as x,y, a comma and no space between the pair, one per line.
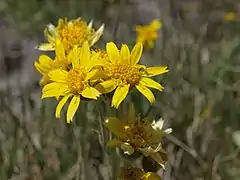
74,84
124,73
230,16
148,34
134,173
138,135
47,64
74,32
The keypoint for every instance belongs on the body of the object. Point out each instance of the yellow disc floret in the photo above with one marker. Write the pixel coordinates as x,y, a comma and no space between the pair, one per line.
138,134
127,74
75,80
131,173
74,33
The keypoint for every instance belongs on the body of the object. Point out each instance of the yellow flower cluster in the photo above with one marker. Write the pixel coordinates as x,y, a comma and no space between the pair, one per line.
80,72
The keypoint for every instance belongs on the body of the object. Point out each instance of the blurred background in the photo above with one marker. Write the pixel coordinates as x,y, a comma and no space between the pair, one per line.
201,99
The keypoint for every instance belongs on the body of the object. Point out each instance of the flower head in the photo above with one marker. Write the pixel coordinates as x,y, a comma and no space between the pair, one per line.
75,83
148,34
124,73
134,173
138,135
70,33
47,64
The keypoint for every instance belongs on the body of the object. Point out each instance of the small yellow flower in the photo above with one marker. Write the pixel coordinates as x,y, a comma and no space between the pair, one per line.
138,135
74,32
47,64
134,173
124,73
75,83
148,34
230,16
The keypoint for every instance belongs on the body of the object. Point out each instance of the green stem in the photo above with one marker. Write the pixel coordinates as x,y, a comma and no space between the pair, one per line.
102,137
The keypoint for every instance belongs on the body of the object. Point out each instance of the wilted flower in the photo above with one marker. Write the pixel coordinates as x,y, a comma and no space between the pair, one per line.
70,33
124,73
134,173
74,83
148,34
138,135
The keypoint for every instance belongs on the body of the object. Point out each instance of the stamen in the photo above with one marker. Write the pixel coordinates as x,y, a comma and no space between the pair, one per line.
75,81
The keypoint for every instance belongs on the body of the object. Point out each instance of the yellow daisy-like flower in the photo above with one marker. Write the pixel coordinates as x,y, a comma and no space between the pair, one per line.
75,83
124,73
148,34
134,173
47,64
138,135
74,32
230,16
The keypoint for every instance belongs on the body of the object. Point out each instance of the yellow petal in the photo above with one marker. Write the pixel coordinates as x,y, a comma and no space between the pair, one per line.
127,148
45,60
119,95
72,108
53,90
116,126
136,53
151,176
137,28
51,30
96,36
44,65
113,143
45,47
59,50
90,24
147,93
113,52
106,86
153,71
155,24
125,54
95,60
91,93
151,83
85,55
50,35
58,75
60,105
73,57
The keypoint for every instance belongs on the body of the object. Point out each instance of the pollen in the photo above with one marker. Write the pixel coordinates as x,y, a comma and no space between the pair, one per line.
139,134
127,74
74,33
75,81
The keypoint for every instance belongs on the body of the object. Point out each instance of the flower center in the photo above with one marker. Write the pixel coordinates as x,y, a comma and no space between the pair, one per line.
132,173
74,33
127,74
75,80
139,134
